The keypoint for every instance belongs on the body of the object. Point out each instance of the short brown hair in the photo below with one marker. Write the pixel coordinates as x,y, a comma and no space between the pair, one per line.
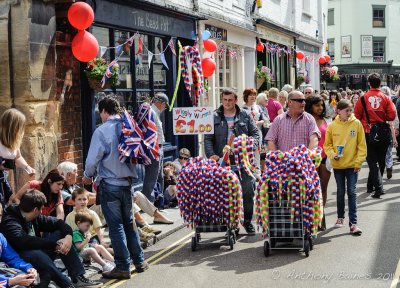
32,199
83,217
247,92
343,104
79,191
229,92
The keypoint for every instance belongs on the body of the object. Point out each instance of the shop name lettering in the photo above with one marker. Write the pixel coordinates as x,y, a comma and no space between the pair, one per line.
153,22
190,114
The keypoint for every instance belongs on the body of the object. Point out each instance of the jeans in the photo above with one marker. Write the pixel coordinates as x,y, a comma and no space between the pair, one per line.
341,176
153,174
248,185
116,203
43,262
376,155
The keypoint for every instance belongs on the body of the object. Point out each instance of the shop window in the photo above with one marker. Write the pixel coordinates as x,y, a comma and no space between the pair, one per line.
124,62
331,48
227,67
379,49
378,16
331,17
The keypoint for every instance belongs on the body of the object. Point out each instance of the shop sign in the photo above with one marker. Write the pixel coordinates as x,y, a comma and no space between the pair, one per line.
217,33
193,120
307,47
113,13
275,36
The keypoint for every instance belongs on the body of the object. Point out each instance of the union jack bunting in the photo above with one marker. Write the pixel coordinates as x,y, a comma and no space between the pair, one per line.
146,122
130,144
108,72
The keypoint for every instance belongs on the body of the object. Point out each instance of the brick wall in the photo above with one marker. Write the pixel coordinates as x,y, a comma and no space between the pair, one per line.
70,138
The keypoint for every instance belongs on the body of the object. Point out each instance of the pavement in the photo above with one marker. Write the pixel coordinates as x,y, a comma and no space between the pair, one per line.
338,259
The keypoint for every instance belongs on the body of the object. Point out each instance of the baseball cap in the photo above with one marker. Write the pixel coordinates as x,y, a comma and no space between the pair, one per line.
162,98
184,152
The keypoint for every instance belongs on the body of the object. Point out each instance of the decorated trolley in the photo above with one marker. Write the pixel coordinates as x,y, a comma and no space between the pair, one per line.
289,201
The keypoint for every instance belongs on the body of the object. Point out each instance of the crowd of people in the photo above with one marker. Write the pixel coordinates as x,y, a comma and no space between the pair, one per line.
58,218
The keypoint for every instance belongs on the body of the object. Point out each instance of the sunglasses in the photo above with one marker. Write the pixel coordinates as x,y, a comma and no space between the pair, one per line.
183,158
307,93
299,100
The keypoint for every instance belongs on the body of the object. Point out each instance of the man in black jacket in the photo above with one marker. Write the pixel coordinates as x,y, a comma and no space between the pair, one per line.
23,224
231,121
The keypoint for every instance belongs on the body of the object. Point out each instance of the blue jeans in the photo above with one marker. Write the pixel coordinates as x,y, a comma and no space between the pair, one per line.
42,261
153,173
116,203
341,176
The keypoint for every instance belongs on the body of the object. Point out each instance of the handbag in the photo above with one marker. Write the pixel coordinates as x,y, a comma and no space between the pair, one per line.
380,133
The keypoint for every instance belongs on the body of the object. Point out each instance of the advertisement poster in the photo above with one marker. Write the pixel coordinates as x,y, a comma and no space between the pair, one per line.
366,46
193,120
346,47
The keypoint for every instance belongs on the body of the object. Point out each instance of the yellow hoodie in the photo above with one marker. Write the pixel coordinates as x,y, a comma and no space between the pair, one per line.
351,135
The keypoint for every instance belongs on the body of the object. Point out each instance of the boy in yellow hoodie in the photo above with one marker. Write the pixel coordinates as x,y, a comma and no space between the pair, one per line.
345,146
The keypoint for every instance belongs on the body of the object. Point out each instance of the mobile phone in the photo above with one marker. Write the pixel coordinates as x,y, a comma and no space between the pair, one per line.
7,163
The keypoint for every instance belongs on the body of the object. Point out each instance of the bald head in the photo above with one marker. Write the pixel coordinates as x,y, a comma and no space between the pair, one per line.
294,94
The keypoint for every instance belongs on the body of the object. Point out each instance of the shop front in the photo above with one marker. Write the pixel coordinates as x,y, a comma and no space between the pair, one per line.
278,55
147,66
309,68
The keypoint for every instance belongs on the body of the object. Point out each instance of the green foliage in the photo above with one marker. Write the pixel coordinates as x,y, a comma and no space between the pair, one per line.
96,68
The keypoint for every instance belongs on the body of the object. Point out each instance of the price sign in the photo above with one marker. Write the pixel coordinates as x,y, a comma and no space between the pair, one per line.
193,120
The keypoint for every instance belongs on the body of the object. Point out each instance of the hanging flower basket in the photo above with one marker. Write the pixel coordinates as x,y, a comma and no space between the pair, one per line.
263,74
95,71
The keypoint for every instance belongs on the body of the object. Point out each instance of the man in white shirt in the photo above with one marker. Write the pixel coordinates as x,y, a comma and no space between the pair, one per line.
153,171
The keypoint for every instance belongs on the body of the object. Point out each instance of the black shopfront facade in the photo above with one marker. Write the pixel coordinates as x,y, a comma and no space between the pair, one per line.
117,21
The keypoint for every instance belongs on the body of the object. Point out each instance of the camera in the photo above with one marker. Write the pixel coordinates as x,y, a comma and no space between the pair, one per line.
7,163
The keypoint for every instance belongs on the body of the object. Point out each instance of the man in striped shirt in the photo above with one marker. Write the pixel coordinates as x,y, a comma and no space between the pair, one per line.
294,127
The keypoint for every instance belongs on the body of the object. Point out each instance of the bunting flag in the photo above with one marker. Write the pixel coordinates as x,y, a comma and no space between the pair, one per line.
162,57
103,51
147,123
150,57
140,49
108,72
171,45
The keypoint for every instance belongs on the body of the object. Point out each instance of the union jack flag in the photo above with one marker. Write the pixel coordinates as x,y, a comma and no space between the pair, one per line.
146,122
3,284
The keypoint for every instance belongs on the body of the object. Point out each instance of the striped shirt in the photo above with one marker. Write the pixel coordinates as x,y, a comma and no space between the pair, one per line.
287,133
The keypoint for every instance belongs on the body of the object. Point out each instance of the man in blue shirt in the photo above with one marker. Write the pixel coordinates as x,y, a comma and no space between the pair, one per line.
115,180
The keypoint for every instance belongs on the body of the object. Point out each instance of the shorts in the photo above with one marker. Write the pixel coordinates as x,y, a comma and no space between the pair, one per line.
85,254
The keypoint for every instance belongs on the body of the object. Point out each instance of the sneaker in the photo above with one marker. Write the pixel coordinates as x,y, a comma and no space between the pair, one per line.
142,267
249,229
145,237
108,267
116,274
355,230
377,194
389,172
339,222
82,281
149,229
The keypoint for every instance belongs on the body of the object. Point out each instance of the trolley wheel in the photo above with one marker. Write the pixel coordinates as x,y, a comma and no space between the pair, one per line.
231,242
194,243
267,248
307,248
311,243
273,243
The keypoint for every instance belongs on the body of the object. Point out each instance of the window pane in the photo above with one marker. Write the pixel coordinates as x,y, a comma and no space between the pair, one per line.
159,70
142,64
103,37
331,17
124,62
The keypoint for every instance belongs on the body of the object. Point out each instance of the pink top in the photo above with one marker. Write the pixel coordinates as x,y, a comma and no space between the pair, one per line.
322,129
273,107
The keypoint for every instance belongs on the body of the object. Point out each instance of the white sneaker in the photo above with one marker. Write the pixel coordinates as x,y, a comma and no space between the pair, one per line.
339,223
108,267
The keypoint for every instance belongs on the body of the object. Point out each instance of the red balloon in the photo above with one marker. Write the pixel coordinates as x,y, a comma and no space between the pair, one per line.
327,58
260,47
321,60
80,15
84,46
300,55
210,45
208,65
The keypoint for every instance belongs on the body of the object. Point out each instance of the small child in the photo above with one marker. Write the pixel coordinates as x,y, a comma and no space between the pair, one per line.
345,146
81,238
80,197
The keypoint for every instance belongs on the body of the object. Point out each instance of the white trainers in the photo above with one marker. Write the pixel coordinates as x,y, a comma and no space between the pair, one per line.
339,223
355,230
108,267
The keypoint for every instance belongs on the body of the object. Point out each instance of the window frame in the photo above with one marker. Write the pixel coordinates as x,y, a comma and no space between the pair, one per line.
379,40
328,41
383,18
